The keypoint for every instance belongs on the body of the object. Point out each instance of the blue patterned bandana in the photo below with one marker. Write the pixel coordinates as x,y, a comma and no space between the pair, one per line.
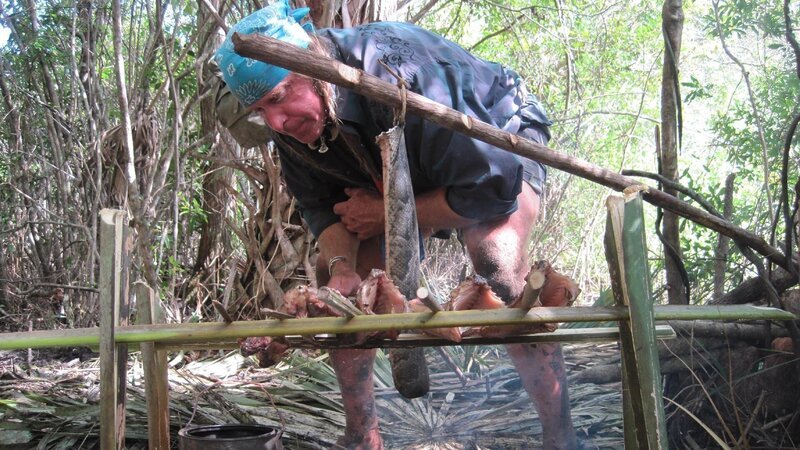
250,79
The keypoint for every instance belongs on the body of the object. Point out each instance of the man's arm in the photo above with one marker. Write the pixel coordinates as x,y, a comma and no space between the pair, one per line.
362,214
335,241
434,212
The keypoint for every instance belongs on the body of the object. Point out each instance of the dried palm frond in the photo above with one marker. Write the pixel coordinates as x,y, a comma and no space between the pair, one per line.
57,406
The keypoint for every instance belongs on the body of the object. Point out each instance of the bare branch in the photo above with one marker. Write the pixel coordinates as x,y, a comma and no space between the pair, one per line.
790,35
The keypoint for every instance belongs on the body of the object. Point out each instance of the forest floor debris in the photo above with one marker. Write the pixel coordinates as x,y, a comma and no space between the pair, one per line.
54,405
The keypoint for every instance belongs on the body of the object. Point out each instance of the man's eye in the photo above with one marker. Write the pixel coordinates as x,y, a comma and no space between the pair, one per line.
285,92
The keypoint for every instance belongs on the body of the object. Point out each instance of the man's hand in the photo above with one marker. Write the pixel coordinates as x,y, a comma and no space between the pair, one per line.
362,213
344,279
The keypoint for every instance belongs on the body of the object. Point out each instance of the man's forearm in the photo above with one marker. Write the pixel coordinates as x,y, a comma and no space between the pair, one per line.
433,212
362,214
337,241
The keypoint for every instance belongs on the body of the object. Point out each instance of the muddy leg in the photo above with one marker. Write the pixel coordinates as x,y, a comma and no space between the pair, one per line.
499,252
543,375
354,373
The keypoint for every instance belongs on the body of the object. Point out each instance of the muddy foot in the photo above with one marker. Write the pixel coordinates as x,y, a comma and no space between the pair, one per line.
370,441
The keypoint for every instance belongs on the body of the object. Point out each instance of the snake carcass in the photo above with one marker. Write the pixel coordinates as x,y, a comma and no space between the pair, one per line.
409,368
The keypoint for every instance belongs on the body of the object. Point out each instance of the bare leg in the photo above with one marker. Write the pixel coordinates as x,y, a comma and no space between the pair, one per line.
541,370
354,372
499,253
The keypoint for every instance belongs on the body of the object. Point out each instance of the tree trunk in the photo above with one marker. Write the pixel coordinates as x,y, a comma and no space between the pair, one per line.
723,242
214,238
672,19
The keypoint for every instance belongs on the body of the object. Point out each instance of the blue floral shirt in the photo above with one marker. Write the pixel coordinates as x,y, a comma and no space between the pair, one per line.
481,181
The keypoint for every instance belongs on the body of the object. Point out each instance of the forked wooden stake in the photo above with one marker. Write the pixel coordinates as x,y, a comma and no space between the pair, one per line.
534,282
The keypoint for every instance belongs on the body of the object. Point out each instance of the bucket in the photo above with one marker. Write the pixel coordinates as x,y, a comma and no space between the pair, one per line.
230,437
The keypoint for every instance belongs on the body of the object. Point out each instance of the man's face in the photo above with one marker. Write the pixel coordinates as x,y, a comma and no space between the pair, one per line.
294,108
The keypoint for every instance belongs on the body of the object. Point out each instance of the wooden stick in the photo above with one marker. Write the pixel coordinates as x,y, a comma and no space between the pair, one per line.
222,311
338,302
30,350
452,364
107,348
271,313
113,284
644,423
305,62
753,289
726,330
533,285
425,296
599,334
154,362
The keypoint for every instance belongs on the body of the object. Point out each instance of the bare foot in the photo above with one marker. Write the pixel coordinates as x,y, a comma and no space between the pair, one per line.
356,441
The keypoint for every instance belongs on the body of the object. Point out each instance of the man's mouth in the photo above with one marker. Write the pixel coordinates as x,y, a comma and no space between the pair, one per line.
304,131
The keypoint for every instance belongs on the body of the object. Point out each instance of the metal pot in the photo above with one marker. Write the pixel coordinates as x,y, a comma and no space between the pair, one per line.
230,437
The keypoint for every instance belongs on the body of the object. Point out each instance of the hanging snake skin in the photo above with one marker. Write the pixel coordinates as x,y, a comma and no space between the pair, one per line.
409,368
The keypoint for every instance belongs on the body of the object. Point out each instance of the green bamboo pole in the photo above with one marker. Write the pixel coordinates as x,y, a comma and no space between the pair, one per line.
626,252
114,313
615,256
594,335
199,332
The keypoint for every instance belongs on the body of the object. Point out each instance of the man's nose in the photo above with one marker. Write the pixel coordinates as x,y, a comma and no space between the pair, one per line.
273,118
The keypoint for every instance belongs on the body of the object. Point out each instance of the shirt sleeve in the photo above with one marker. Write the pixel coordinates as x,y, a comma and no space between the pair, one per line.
482,182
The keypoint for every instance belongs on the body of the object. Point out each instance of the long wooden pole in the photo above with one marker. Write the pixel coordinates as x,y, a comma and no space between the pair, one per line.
412,339
105,334
203,332
273,51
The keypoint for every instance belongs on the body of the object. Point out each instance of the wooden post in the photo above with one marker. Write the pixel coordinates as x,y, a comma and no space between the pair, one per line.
114,311
626,252
156,377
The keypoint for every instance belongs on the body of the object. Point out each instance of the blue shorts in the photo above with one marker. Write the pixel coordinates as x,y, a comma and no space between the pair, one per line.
535,174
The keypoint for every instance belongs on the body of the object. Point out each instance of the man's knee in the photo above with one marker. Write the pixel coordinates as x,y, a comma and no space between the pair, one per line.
499,249
502,262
